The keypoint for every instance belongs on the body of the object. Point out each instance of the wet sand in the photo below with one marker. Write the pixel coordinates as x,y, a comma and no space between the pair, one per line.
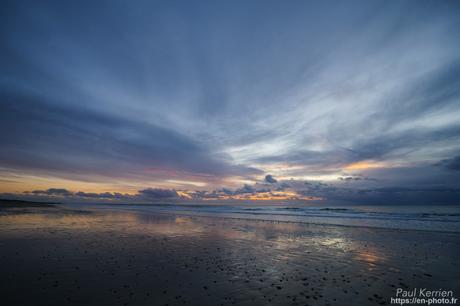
59,256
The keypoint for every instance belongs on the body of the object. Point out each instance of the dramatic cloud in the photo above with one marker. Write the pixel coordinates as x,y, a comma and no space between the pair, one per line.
350,178
103,195
148,195
156,193
270,179
392,188
202,101
74,140
53,191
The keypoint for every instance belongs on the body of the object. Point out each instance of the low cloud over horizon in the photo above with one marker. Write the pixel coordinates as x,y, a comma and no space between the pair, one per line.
346,190
355,102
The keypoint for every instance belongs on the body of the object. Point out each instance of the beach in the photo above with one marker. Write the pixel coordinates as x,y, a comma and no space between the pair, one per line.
65,255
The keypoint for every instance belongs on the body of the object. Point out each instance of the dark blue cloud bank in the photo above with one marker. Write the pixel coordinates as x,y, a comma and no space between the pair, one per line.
355,102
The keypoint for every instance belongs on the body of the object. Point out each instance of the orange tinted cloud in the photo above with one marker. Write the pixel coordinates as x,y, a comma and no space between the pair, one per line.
365,164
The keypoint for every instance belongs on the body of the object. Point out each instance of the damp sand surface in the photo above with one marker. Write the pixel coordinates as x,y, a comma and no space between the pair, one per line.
56,255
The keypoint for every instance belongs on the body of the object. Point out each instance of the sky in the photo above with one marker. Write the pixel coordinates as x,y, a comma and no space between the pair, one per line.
190,101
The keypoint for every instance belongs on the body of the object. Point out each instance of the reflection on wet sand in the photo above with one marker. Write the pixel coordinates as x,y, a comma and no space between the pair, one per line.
105,257
371,257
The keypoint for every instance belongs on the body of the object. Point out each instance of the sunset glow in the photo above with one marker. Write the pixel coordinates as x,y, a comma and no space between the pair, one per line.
178,103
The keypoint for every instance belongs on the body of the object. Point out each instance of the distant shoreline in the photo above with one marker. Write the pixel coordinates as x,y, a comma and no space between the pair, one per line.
20,203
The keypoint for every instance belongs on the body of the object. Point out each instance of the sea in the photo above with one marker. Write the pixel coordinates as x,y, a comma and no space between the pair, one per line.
444,218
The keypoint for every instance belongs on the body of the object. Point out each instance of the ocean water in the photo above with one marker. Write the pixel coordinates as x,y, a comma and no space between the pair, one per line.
431,218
